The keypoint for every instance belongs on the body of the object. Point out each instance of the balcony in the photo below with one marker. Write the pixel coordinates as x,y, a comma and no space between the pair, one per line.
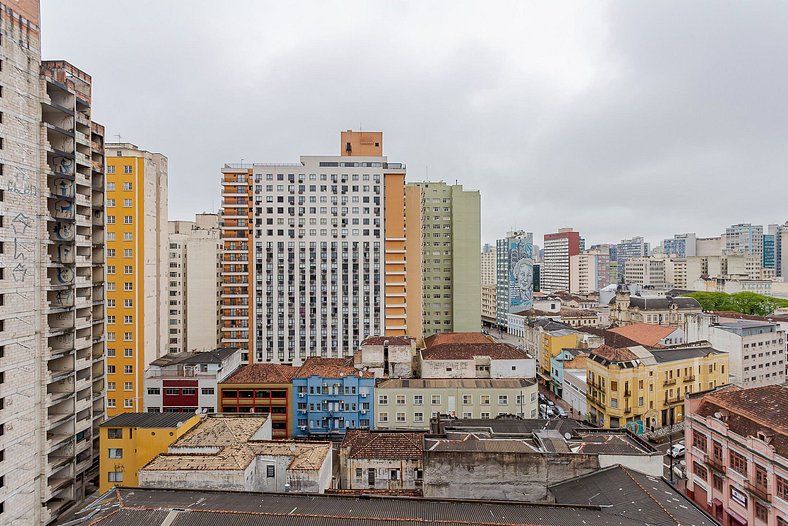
666,383
757,491
688,379
715,464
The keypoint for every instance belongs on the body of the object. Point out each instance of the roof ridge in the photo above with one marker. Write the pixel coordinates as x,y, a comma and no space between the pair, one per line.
639,485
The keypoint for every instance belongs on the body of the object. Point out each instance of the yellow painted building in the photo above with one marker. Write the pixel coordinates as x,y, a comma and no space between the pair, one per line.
551,344
645,389
136,268
131,440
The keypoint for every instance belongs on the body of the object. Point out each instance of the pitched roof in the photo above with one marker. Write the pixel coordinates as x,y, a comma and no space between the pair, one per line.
661,303
612,339
147,420
330,368
672,354
457,337
263,373
627,493
648,334
175,358
740,316
612,354
388,445
752,410
467,351
452,383
392,340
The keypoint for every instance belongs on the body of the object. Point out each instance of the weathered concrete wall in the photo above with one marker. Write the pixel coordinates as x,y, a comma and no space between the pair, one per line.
231,480
505,476
650,465
448,369
525,368
405,473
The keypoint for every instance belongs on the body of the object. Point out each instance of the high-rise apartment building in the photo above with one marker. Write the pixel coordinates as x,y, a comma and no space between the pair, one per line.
451,226
630,248
194,273
682,245
489,273
648,271
137,278
555,268
318,255
589,271
51,276
515,273
744,238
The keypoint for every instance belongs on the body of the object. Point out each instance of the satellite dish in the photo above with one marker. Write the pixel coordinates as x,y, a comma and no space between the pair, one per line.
567,435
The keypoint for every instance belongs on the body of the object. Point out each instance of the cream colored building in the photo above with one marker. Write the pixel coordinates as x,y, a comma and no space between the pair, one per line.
488,265
194,269
409,404
676,272
489,298
645,270
137,279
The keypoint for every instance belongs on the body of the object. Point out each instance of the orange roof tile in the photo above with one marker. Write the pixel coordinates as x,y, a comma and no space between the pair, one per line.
263,373
648,334
330,368
614,354
457,337
467,351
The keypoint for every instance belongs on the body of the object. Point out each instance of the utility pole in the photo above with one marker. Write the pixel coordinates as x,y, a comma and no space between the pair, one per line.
670,454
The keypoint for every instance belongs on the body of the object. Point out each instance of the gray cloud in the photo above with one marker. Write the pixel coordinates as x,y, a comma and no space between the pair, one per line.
617,119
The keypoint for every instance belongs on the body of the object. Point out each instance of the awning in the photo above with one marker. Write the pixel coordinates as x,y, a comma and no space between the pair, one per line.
739,518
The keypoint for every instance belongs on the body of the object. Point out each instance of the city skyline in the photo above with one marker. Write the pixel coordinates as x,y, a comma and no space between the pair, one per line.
619,106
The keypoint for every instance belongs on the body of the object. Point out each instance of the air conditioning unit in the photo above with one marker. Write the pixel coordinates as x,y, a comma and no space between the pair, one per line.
301,395
302,428
363,395
363,411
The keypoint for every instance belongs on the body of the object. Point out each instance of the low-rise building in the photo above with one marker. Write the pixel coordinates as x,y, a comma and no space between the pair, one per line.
644,389
626,309
263,388
489,305
479,463
568,315
336,397
469,360
409,404
574,391
236,453
566,359
652,334
130,440
381,460
387,356
187,381
756,348
737,454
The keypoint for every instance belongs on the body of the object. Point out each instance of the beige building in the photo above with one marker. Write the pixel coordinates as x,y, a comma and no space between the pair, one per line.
469,360
648,271
137,283
51,280
676,272
381,460
488,265
626,309
194,270
451,226
236,453
589,271
409,404
489,307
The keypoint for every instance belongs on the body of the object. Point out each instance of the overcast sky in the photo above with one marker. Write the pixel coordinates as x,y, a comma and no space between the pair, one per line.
617,119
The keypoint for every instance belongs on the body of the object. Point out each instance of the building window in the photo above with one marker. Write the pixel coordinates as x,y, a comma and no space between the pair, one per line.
418,417
761,512
115,476
436,399
738,463
503,400
115,452
127,186
467,399
128,369
699,440
270,471
418,399
717,482
207,390
400,417
383,417
115,432
110,402
154,390
383,399
128,403
127,386
700,471
781,487
484,399
400,399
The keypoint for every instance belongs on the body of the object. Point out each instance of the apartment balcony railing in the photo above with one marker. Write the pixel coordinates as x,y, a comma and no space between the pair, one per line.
672,381
715,464
688,379
757,491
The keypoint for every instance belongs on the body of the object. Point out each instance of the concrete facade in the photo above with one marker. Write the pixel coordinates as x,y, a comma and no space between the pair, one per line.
389,357
555,269
194,267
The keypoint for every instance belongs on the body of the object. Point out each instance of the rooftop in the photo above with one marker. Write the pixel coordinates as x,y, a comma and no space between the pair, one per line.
614,355
467,351
564,312
504,426
457,337
627,493
232,443
612,339
155,507
647,334
147,420
683,353
740,316
393,445
263,373
750,411
456,383
330,368
392,340
176,358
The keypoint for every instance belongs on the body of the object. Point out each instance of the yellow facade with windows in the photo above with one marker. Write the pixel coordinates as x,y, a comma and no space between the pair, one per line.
550,346
136,273
645,389
131,440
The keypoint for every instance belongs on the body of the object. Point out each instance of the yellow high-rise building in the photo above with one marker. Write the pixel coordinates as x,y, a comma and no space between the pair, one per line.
137,274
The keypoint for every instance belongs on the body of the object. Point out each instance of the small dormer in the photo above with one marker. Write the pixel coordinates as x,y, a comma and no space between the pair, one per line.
766,436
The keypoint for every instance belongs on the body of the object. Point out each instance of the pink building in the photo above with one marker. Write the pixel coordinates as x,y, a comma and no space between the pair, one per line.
737,454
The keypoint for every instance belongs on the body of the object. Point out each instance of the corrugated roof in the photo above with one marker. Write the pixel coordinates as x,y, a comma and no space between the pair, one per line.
175,358
147,420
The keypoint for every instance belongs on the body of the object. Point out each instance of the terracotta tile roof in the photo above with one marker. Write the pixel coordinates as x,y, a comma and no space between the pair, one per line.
263,373
392,340
740,316
612,339
467,351
648,334
457,337
752,410
388,445
330,368
613,354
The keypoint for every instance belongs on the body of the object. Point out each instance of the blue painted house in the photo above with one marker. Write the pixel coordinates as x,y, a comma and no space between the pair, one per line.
560,361
331,396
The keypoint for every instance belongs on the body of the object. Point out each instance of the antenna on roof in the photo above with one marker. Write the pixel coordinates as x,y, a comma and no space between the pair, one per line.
119,137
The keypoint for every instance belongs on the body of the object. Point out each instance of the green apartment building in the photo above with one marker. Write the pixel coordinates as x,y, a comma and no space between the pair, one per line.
451,267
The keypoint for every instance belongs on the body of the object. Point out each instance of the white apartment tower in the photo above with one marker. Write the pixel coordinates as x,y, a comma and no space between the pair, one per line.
488,276
308,264
194,274
51,277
